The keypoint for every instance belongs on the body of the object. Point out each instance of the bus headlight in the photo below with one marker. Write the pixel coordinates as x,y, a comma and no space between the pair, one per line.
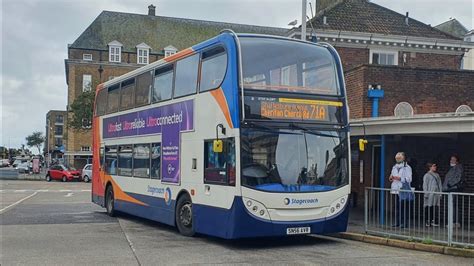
337,206
256,208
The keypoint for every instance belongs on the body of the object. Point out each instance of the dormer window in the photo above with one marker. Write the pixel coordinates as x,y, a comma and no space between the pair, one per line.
143,53
115,51
170,50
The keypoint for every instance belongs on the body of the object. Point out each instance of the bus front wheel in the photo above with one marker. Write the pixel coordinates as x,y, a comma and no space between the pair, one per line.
184,215
110,201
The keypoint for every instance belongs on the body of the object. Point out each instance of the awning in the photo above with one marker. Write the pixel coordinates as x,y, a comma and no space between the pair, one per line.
417,124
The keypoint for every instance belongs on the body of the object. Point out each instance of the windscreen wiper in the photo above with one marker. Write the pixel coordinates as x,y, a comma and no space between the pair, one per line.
312,132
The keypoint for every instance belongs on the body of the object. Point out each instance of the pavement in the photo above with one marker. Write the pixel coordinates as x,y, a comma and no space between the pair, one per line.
56,224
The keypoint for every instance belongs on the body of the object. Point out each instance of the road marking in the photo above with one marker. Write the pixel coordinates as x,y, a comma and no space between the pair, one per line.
69,194
42,190
18,202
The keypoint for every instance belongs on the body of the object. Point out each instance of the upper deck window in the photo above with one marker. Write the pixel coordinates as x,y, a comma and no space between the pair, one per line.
163,84
101,103
113,98
213,68
288,66
186,76
127,94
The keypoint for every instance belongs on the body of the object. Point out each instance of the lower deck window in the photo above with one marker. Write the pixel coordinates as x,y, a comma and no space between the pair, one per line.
155,161
125,164
220,167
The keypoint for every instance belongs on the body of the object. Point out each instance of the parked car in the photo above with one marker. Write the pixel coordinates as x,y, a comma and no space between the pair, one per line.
23,167
63,173
87,173
17,162
4,163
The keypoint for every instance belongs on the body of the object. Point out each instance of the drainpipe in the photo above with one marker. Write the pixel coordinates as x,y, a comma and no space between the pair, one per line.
375,94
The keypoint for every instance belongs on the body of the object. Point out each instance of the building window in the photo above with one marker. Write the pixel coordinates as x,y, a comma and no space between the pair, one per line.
87,57
58,130
86,82
142,56
403,109
170,50
58,141
463,109
115,54
60,119
85,148
383,57
169,53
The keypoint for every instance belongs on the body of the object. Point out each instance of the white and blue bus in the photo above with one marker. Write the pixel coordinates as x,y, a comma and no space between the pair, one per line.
242,135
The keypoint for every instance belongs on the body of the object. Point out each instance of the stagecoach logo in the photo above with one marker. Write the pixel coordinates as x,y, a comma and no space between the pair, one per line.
288,201
168,196
170,169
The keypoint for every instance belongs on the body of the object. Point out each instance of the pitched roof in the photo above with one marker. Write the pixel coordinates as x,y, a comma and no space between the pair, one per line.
156,31
453,27
365,16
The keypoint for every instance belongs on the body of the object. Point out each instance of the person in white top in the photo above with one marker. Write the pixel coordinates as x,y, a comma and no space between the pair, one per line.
401,177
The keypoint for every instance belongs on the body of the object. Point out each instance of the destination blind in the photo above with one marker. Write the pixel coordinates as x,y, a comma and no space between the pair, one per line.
276,108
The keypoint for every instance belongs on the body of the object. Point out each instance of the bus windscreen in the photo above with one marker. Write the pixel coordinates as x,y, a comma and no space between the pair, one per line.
288,66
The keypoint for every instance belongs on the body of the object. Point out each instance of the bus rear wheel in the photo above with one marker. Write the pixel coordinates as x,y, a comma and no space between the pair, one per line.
110,201
184,215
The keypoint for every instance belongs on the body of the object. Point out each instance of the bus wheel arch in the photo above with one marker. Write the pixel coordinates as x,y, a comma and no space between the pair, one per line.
183,214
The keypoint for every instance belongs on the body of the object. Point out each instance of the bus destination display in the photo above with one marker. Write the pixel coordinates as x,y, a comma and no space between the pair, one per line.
291,109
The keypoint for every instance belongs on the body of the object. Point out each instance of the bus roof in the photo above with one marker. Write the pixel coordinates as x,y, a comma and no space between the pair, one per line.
194,48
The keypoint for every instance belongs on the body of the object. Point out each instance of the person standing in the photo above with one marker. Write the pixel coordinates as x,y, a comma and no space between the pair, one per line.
453,182
431,183
401,177
453,179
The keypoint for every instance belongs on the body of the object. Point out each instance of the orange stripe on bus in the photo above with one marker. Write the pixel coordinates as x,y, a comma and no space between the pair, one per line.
221,100
179,55
119,194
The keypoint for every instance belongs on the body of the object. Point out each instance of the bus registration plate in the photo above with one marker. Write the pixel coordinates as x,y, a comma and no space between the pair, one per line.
298,230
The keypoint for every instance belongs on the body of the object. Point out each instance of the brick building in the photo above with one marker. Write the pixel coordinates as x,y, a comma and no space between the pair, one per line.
116,43
414,74
55,132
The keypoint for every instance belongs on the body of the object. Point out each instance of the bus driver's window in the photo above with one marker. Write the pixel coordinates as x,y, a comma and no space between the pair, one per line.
219,168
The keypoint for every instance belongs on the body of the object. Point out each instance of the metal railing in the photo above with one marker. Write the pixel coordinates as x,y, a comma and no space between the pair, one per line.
430,217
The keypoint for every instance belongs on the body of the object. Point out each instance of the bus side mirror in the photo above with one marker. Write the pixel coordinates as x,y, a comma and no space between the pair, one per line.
362,143
217,146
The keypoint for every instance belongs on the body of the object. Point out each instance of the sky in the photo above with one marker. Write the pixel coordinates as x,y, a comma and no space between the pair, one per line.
35,35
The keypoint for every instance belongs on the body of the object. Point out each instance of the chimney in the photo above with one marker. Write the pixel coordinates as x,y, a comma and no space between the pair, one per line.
406,19
151,10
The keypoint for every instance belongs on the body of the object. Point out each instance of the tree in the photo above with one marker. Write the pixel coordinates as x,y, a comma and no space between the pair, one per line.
81,110
36,139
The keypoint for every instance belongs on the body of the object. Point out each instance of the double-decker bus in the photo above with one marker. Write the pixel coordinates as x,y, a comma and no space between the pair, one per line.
242,135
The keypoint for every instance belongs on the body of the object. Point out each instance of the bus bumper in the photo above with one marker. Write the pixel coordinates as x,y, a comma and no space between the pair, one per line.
238,223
